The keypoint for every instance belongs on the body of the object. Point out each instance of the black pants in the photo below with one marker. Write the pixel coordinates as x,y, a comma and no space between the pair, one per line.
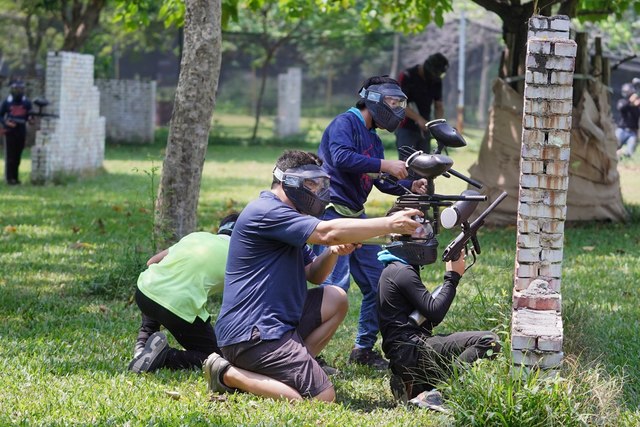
424,361
14,145
197,338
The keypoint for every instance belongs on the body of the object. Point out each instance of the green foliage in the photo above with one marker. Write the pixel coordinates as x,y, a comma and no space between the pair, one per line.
70,257
494,393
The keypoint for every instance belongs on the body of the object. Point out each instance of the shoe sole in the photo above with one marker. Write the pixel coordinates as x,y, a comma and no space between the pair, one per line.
152,350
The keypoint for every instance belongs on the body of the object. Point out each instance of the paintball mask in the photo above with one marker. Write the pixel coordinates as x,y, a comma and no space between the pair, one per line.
627,90
17,89
436,65
421,248
387,103
307,187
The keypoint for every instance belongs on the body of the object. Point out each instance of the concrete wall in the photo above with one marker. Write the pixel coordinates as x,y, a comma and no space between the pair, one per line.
129,109
289,102
72,143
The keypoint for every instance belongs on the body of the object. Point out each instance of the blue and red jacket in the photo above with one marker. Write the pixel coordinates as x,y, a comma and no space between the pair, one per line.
11,109
349,152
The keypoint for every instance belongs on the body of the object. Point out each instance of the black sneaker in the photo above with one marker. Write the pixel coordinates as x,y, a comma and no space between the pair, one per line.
153,355
398,389
368,357
329,370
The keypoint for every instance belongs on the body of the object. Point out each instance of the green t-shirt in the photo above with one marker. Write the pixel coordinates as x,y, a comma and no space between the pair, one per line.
192,270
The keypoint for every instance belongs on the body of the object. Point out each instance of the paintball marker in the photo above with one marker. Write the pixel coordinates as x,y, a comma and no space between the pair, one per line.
457,208
40,103
469,232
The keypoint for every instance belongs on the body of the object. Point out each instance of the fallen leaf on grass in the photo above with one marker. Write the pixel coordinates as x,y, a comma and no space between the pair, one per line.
172,394
588,248
218,398
80,245
10,229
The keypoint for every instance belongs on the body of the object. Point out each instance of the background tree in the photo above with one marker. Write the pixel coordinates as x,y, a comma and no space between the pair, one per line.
515,14
177,202
79,19
28,31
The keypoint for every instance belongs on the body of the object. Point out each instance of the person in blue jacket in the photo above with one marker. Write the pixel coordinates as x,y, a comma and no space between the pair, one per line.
14,114
353,156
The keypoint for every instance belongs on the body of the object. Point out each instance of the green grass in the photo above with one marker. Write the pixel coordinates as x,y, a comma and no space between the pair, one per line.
70,255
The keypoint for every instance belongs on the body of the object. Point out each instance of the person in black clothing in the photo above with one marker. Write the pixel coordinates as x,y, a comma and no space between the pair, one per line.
417,358
14,113
422,84
627,130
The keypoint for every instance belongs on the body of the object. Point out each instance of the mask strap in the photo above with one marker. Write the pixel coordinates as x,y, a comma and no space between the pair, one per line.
278,174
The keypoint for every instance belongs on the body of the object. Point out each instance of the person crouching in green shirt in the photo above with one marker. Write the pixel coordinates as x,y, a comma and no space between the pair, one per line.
173,292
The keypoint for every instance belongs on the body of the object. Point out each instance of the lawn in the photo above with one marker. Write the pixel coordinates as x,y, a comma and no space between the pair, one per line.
70,255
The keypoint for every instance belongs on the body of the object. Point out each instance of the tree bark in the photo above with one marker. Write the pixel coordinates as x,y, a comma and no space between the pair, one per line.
484,81
79,19
177,202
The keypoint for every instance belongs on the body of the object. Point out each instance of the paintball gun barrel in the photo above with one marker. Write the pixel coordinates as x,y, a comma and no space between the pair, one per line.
40,103
469,232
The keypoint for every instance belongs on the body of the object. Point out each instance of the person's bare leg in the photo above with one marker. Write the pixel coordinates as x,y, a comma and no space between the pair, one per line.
333,311
259,384
328,395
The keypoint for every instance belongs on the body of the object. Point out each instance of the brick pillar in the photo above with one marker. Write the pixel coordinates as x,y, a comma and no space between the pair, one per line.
536,328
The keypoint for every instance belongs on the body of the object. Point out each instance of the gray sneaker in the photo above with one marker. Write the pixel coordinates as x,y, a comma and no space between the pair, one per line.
430,400
214,368
152,356
139,348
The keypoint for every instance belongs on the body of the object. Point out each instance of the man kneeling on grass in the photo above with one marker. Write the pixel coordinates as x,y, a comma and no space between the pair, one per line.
270,328
173,293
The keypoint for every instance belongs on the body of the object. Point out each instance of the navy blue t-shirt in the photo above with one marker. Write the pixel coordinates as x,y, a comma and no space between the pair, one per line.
349,151
265,283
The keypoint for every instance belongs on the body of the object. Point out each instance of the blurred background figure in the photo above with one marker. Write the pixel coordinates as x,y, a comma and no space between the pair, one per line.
14,113
422,84
627,125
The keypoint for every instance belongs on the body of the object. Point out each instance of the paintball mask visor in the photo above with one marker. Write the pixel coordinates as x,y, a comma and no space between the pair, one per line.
389,94
307,187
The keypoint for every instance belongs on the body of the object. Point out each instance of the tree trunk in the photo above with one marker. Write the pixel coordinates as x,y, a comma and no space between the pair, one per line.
395,61
263,85
177,202
515,36
484,81
328,93
79,20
